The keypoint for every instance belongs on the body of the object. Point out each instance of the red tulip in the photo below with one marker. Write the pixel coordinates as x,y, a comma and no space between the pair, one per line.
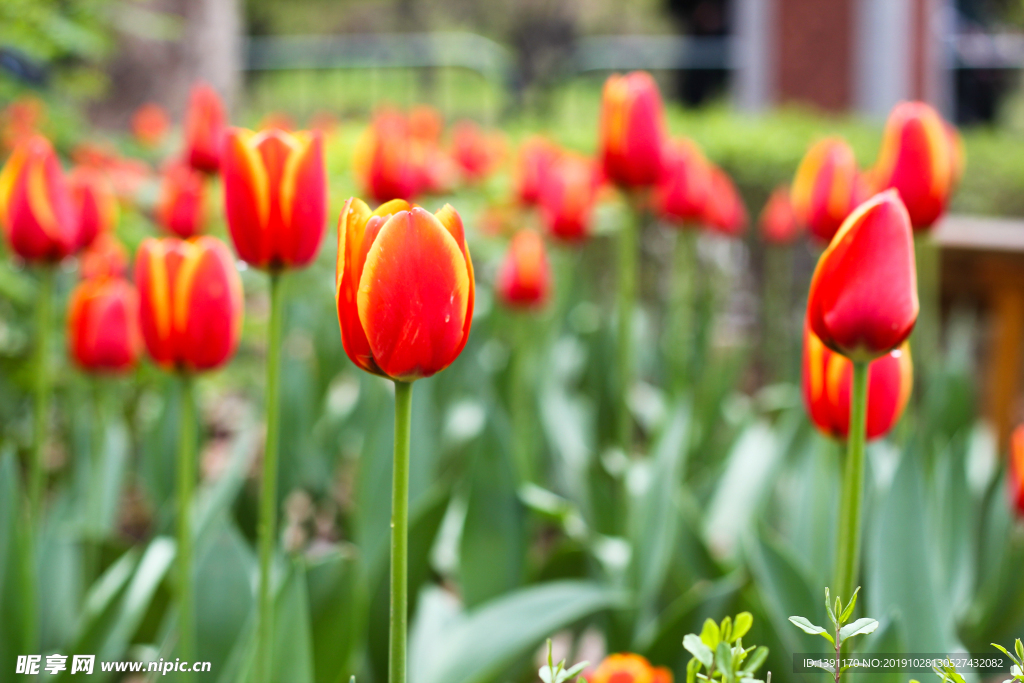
36,210
724,211
624,668
567,198
205,122
1016,474
778,221
524,280
385,161
535,157
425,123
477,152
181,208
863,297
95,203
191,302
104,258
103,325
682,193
827,187
150,124
20,120
919,159
404,288
828,379
275,196
632,130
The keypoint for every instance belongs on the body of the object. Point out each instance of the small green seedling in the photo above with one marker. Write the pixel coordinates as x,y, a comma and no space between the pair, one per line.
842,631
557,673
719,655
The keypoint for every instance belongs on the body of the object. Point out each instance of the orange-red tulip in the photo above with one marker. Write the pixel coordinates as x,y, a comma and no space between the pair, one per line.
404,288
683,191
1016,474
384,159
863,297
632,130
535,157
724,211
477,152
94,201
827,187
103,325
628,668
275,196
828,379
190,301
425,123
205,123
920,159
181,208
662,674
20,120
778,221
105,257
35,203
150,124
524,279
567,198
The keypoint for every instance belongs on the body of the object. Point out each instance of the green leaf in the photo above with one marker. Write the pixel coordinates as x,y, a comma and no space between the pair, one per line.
692,667
807,627
698,649
1003,650
860,627
726,630
744,620
723,660
334,601
828,607
848,612
1020,651
710,635
293,649
755,660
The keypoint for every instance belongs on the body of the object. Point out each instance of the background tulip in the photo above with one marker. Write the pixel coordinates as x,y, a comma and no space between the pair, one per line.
632,130
150,124
181,208
683,190
778,221
863,296
524,279
383,158
191,302
95,203
628,668
205,123
477,152
105,257
567,197
535,157
724,211
35,203
275,196
827,379
103,325
405,288
827,187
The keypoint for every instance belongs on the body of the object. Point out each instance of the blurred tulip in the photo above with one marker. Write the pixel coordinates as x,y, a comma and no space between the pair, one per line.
425,123
95,203
959,152
724,211
920,159
682,192
106,257
36,209
827,187
477,152
21,119
626,668
384,159
435,170
276,119
150,124
404,288
535,157
827,380
1015,476
778,221
275,196
181,207
863,297
190,297
632,130
567,197
103,325
524,279
205,123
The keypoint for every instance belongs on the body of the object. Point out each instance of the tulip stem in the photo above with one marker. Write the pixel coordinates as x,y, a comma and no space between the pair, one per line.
680,341
268,492
400,535
521,401
186,488
41,391
628,237
848,552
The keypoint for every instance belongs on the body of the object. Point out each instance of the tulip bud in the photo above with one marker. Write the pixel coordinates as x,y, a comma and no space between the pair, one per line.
828,380
632,130
104,258
827,187
36,211
1015,476
205,122
404,288
149,124
191,302
384,159
778,221
524,279
863,297
623,668
477,152
95,203
920,160
103,325
535,157
682,192
275,196
724,211
181,208
567,198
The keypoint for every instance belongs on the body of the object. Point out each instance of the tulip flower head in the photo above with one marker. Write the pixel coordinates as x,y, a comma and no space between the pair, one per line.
1016,470
181,207
535,158
36,209
683,191
827,380
20,120
385,161
95,203
425,123
778,221
524,279
632,130
275,196
568,196
103,325
628,668
863,297
150,124
191,305
404,288
827,187
724,211
477,152
106,257
205,123
920,159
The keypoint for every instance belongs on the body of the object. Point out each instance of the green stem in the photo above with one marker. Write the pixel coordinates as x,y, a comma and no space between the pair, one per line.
41,391
680,342
925,339
400,535
94,500
520,399
778,285
848,552
627,301
268,492
186,488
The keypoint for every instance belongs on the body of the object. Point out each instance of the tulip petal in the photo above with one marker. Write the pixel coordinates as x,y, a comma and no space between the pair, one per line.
153,280
247,201
351,232
303,200
207,304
